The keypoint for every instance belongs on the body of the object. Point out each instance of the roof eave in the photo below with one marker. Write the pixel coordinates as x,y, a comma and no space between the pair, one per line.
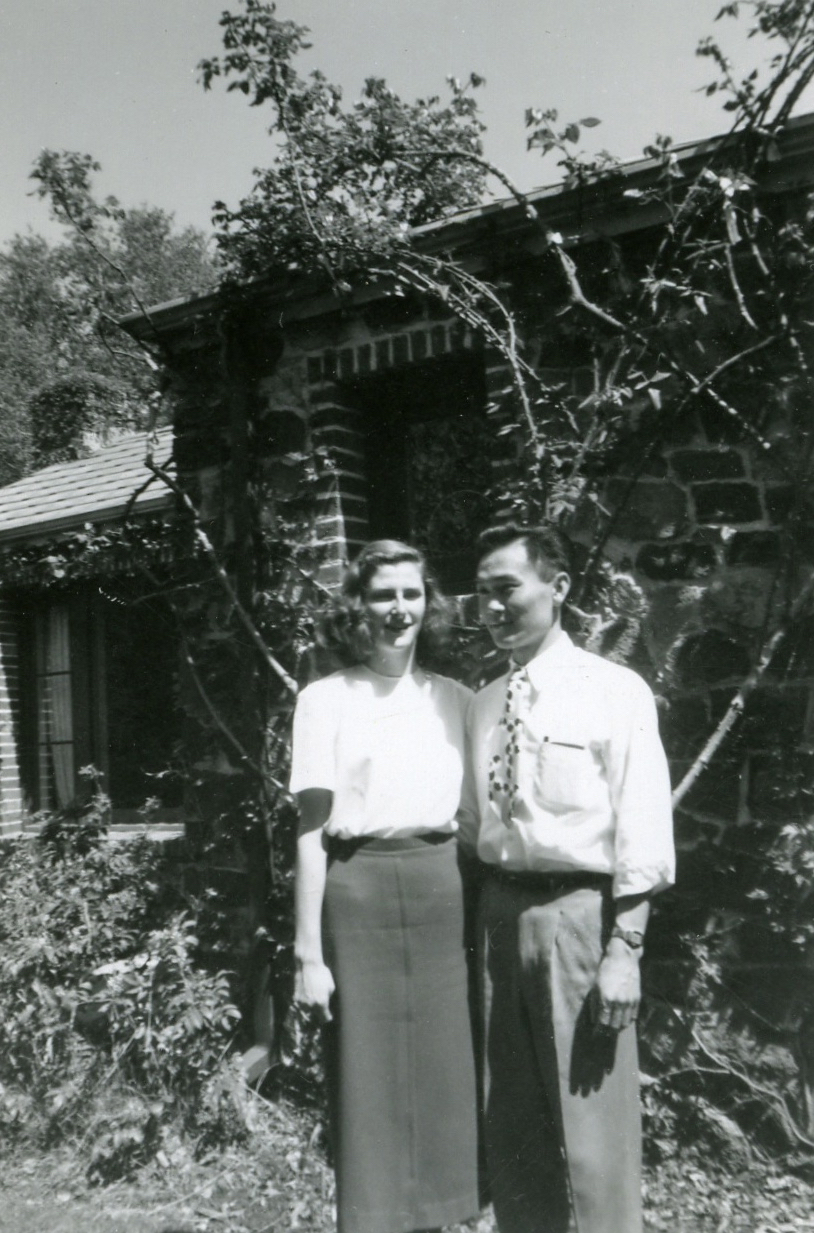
599,205
32,533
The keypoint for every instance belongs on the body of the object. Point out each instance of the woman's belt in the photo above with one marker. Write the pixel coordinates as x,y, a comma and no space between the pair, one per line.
341,849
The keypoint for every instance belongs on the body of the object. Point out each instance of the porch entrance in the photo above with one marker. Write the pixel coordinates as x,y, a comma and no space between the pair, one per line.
428,459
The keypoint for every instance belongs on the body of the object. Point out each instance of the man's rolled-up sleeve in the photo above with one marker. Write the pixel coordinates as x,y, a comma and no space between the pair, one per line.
639,781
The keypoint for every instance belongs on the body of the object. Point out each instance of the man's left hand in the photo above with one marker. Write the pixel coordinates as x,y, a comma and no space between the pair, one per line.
618,987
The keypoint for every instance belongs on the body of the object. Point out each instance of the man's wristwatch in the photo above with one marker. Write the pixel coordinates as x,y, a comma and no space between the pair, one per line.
633,938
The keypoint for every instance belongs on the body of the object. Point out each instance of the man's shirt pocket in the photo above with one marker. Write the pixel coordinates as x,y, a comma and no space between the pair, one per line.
568,775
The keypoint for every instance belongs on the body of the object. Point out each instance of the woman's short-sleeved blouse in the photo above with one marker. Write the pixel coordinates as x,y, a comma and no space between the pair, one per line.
391,749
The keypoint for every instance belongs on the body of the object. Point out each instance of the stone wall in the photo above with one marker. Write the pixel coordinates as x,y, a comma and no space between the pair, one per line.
703,532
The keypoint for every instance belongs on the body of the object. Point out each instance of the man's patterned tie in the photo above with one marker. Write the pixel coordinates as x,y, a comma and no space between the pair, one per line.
503,785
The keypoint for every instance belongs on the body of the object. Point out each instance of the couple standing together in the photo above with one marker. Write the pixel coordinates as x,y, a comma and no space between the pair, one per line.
553,783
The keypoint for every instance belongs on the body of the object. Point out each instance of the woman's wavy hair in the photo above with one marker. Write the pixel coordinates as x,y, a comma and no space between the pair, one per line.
343,628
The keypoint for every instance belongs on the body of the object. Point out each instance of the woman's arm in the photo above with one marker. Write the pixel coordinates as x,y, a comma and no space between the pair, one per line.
314,983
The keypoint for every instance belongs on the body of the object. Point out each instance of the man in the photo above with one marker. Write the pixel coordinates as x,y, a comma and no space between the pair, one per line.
568,808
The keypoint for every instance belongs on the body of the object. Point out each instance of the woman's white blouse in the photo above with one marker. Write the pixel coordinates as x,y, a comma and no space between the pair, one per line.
390,749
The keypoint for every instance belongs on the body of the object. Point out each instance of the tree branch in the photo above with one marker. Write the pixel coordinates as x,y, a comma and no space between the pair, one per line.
578,296
738,703
82,232
773,1099
213,713
424,280
736,288
212,556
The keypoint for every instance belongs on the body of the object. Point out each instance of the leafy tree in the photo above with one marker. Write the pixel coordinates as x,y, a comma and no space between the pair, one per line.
59,304
27,350
72,410
346,182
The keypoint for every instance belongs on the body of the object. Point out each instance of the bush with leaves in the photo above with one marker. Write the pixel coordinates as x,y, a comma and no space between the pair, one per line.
727,1023
348,181
167,1024
103,989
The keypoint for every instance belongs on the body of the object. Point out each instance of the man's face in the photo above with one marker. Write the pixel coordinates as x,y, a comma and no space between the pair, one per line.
520,608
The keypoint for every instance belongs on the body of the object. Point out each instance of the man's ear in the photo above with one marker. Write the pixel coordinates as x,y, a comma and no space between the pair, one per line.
561,583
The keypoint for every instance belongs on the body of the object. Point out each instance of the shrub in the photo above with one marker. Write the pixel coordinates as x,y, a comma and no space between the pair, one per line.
165,1022
103,988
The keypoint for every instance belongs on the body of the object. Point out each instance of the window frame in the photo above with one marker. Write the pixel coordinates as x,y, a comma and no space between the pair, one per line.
87,644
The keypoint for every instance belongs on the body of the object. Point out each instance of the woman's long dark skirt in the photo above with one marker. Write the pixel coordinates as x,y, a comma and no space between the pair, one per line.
399,1050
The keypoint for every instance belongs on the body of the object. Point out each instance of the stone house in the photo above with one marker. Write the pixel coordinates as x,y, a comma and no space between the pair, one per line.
401,402
400,396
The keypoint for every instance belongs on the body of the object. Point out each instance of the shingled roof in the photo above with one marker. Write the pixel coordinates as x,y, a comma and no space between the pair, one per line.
93,489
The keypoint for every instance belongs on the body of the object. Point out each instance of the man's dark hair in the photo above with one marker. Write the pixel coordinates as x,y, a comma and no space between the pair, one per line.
548,548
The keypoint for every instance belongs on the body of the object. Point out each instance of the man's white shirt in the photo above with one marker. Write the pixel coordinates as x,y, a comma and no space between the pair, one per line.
593,781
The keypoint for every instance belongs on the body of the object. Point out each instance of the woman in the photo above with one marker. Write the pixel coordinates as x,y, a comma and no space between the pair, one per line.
377,768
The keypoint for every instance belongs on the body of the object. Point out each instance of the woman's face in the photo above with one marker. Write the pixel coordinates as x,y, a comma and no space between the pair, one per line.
395,602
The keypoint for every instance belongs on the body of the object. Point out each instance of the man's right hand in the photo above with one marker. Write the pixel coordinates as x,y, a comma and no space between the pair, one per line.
313,987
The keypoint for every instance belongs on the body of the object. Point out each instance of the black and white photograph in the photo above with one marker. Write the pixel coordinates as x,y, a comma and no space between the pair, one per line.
407,616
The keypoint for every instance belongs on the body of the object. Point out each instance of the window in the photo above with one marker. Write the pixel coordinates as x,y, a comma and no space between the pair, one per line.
103,673
55,735
141,714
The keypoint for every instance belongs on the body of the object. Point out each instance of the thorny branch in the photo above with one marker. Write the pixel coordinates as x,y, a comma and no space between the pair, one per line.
736,288
578,296
213,557
245,757
464,306
569,269
738,703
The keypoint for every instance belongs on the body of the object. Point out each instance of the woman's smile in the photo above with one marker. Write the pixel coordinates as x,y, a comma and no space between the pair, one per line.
395,602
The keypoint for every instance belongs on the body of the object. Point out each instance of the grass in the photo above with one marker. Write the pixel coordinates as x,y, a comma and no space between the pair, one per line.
280,1181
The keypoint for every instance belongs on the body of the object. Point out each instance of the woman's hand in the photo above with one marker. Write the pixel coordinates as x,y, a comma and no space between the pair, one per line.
313,987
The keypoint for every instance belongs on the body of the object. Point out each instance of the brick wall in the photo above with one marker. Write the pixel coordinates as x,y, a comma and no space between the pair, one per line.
342,519
11,802
311,384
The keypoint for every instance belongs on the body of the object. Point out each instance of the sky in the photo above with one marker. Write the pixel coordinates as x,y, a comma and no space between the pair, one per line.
117,79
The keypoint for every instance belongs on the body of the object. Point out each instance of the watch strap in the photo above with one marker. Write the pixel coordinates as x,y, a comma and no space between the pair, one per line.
633,938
